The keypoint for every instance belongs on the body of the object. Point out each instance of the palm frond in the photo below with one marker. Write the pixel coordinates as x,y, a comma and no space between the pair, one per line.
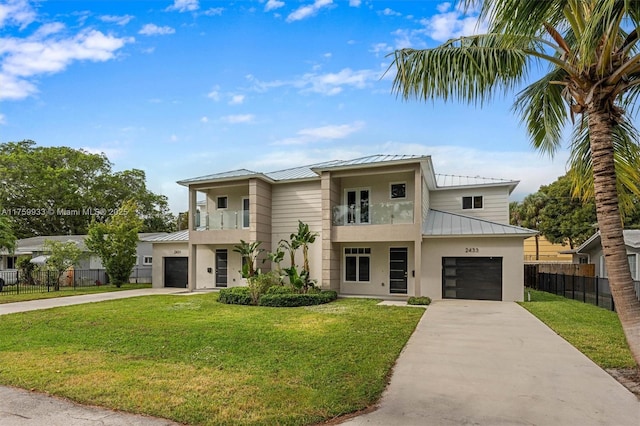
626,160
469,69
542,108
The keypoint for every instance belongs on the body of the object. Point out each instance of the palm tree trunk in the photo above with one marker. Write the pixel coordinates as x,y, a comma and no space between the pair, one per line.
601,123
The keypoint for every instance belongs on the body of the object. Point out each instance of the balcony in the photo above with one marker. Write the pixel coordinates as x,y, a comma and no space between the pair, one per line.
222,220
391,213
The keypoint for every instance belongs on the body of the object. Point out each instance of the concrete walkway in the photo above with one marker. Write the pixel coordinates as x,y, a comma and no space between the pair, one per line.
493,363
34,305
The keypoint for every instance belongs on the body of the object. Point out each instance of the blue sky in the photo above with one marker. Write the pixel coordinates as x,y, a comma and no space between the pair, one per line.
183,88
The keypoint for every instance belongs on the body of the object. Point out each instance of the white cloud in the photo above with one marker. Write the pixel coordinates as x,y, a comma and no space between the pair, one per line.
238,118
3,119
236,99
16,12
273,5
379,48
323,133
214,11
390,12
355,3
327,84
184,5
304,12
454,23
214,93
46,52
116,19
153,29
204,119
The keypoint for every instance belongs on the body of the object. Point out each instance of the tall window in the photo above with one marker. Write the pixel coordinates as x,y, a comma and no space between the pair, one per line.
357,201
357,264
469,203
633,265
245,212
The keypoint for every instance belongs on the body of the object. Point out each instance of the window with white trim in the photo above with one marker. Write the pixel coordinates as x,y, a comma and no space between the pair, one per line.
633,265
245,212
222,202
147,260
472,203
357,264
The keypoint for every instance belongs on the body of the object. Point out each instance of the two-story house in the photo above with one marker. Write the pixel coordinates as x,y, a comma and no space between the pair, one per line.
387,226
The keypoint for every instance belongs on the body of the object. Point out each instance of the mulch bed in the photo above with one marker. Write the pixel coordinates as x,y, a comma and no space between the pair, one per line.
628,377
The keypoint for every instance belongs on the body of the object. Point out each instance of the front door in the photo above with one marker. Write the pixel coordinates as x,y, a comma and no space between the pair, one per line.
221,267
398,270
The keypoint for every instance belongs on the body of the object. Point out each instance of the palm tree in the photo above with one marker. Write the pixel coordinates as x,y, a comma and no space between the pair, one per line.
591,49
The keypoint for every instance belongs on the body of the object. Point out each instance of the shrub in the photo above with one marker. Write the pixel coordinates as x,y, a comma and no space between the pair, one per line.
235,296
422,300
259,284
280,289
294,299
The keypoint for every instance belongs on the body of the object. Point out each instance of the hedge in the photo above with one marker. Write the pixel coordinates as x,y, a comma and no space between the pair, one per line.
419,300
293,300
235,296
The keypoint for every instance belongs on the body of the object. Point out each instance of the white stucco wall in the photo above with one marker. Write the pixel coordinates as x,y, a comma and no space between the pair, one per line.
160,251
509,248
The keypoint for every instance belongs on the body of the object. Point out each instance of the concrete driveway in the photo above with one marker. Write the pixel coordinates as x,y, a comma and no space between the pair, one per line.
493,363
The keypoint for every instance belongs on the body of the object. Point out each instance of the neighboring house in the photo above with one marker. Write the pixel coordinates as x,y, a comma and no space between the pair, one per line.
547,252
34,247
591,252
387,226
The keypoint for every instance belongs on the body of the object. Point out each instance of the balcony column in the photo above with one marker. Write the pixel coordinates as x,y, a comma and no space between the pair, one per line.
192,266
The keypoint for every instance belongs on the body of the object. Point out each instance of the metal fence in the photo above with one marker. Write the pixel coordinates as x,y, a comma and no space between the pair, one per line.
18,282
593,290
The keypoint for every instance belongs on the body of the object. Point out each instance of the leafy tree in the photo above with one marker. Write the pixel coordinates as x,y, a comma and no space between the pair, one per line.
7,238
304,237
115,242
594,73
566,219
528,214
59,190
62,256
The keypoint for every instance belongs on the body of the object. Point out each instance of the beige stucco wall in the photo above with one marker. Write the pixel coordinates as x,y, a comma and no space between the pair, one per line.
205,258
509,248
379,283
160,251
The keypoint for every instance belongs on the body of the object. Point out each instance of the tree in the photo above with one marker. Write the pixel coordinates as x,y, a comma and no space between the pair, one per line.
593,74
303,238
62,256
59,190
7,237
116,240
528,214
566,219
249,253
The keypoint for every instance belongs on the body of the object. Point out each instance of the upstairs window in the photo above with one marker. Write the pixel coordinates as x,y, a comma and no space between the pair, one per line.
472,203
398,191
221,202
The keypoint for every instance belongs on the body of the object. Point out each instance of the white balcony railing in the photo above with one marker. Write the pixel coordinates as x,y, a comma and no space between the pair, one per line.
221,220
391,213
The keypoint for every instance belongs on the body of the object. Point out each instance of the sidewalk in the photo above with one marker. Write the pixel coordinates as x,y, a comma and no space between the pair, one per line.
493,363
33,305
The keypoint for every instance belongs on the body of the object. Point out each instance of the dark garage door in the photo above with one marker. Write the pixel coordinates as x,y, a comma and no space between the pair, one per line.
175,271
472,278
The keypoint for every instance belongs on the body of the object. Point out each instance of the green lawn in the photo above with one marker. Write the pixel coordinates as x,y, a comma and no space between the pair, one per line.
594,331
6,297
196,361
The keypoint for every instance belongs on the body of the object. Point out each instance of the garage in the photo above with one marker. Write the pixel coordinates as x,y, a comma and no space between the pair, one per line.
478,278
176,271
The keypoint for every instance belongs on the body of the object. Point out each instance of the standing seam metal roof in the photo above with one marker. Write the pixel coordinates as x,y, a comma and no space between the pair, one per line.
444,224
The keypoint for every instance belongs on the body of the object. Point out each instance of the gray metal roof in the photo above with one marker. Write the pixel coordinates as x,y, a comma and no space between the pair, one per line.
444,181
631,239
373,159
223,175
443,224
302,172
179,236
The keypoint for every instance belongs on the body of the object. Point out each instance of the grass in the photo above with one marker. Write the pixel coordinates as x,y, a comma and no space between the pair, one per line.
594,331
6,297
196,361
